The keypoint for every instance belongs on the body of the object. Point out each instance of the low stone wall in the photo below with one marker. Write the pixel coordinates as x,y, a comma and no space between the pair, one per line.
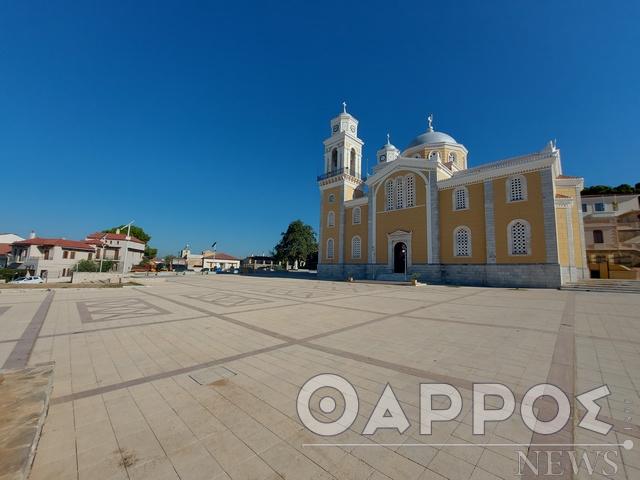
95,277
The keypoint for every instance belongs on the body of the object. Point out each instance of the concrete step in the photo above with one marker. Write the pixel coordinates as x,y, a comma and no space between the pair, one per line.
393,277
604,285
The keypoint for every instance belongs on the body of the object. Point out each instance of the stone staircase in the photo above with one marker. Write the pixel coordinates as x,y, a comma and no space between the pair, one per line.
604,285
393,277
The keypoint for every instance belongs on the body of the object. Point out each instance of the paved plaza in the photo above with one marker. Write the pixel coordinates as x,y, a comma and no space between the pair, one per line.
198,377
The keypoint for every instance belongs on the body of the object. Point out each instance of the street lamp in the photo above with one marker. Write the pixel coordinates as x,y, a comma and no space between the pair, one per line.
214,255
103,240
126,252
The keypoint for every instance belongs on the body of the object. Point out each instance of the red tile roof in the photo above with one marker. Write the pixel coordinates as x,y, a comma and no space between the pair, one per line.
57,242
5,248
114,236
222,256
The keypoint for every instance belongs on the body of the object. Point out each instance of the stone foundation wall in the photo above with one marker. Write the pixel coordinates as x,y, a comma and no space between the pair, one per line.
495,275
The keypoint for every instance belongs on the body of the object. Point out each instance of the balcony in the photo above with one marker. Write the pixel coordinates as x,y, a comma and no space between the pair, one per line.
342,171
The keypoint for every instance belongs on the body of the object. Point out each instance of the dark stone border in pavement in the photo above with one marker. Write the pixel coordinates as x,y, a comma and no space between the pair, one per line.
21,352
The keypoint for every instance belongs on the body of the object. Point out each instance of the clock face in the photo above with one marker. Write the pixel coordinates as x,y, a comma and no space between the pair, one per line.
353,128
383,158
335,128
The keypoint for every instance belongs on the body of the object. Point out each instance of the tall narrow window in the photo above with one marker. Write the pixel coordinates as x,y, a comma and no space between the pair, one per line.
400,193
334,161
519,238
356,215
598,237
460,198
411,191
330,249
356,247
389,194
598,207
331,219
516,188
462,242
352,163
452,157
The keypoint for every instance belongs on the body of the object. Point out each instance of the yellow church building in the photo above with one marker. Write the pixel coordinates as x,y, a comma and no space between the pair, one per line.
423,212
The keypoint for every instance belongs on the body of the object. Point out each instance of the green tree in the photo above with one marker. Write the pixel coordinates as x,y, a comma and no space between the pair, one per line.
624,188
140,234
107,265
168,259
86,266
297,243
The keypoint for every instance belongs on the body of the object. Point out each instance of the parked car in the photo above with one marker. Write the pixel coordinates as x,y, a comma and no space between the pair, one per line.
205,271
34,279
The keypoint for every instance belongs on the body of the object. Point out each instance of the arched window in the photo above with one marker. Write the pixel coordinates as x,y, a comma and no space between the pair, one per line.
417,155
356,215
433,154
389,194
331,219
411,190
352,163
519,232
400,192
330,249
334,160
460,198
453,157
516,188
462,242
356,247
598,237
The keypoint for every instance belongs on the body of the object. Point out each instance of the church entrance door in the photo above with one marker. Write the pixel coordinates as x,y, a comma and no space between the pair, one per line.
399,257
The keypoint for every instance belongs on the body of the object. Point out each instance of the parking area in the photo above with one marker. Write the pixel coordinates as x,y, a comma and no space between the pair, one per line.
199,377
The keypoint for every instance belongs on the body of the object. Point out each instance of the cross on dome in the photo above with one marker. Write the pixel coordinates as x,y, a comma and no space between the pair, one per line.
430,118
344,105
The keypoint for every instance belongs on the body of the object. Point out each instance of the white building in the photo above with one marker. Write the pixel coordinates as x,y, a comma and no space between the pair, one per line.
116,247
49,257
6,239
612,229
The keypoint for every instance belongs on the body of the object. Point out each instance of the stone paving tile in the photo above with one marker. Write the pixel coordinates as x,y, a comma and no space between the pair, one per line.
124,403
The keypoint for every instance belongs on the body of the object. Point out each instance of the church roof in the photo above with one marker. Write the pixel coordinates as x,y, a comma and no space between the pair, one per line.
431,136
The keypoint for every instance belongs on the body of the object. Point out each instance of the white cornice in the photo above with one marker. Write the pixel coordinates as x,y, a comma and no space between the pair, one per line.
570,182
498,169
356,202
564,202
400,163
339,180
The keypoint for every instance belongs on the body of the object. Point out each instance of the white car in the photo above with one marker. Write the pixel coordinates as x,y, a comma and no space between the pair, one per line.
35,279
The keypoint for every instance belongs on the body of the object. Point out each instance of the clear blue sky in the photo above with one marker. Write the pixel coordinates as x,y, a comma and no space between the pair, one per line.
203,121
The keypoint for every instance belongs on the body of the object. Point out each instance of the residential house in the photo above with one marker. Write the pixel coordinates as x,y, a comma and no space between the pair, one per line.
49,257
612,233
118,248
6,239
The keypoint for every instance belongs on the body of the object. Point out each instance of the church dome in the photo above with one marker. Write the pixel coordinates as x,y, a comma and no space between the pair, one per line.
431,136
